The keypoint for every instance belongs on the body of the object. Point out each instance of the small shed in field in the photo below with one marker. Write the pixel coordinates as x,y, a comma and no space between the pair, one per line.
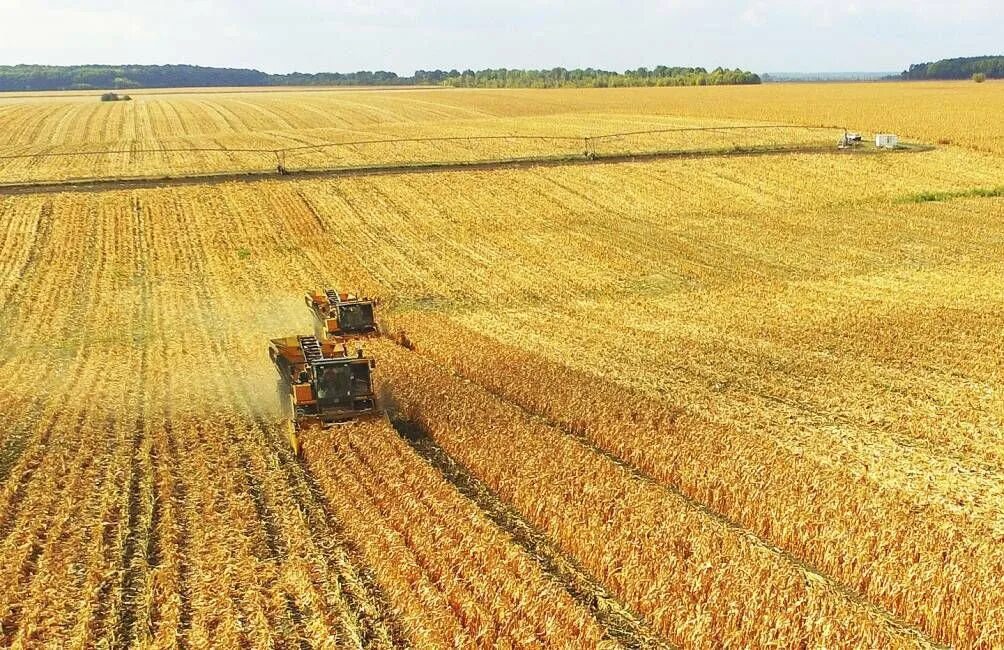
886,140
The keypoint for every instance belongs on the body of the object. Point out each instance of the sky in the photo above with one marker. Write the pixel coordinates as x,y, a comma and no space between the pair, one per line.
282,36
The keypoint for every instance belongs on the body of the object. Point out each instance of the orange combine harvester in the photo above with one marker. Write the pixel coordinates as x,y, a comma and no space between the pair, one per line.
341,315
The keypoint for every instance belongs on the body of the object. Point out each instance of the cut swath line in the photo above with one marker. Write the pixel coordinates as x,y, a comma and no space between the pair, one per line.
180,492
274,543
132,559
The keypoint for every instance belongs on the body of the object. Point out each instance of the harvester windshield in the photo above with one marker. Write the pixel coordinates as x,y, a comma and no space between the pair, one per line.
339,383
356,318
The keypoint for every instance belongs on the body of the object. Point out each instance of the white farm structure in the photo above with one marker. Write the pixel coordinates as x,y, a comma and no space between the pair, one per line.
886,140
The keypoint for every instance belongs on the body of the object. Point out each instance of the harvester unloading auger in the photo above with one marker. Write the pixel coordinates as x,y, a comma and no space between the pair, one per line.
322,382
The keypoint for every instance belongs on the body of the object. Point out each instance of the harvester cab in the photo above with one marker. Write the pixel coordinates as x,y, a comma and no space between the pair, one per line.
341,315
321,383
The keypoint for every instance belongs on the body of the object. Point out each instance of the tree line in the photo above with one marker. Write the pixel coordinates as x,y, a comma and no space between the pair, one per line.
92,77
961,68
104,77
592,78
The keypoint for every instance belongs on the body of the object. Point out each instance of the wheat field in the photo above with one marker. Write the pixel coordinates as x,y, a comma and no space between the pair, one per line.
720,401
46,137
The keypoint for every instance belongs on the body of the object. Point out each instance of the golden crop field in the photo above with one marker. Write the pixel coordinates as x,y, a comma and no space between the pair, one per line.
47,137
708,401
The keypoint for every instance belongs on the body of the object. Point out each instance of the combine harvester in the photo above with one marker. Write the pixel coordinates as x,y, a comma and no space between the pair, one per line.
341,315
322,382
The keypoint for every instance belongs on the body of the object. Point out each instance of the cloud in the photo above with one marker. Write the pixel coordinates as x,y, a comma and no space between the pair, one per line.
312,35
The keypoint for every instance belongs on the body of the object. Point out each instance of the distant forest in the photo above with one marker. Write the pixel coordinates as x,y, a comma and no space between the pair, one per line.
962,68
592,78
104,77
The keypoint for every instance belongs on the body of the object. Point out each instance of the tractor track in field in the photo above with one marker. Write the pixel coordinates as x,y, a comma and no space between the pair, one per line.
92,185
120,633
158,537
11,622
893,621
273,538
180,495
152,549
619,623
312,210
132,560
133,553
